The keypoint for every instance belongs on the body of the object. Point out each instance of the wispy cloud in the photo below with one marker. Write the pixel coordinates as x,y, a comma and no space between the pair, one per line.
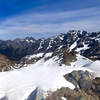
85,19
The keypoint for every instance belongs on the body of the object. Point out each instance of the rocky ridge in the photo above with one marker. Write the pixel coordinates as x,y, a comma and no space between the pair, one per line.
87,44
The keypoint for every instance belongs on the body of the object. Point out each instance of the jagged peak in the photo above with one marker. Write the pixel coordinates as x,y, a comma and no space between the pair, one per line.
30,38
77,32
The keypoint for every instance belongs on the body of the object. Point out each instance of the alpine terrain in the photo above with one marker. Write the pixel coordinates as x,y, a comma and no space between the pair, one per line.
61,67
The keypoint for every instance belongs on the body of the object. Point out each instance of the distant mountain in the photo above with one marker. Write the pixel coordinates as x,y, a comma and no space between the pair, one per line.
87,44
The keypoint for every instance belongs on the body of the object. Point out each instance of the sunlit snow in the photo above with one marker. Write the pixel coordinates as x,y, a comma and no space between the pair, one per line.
18,84
48,76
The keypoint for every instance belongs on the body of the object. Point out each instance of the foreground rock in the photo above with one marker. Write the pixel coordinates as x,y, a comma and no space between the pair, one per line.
87,88
81,79
96,86
71,95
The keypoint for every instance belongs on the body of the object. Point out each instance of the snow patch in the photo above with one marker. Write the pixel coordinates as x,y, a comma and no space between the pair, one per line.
41,43
63,98
95,66
85,47
61,37
35,56
49,46
60,47
81,61
48,54
73,46
40,46
29,41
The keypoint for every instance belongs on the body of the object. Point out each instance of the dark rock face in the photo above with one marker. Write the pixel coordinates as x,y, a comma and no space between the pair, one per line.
85,84
85,43
19,48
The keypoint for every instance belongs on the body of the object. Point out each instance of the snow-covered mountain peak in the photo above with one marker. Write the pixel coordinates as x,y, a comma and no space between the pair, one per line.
74,41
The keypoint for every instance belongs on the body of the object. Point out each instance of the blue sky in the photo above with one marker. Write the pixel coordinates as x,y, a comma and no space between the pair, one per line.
43,18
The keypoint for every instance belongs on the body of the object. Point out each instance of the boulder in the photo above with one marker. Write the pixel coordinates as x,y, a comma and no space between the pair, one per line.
81,79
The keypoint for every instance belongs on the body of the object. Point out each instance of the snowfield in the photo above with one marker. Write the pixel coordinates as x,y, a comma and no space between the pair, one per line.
95,67
18,84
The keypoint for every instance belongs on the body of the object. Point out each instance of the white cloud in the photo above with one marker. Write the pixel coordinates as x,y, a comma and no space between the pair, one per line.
85,19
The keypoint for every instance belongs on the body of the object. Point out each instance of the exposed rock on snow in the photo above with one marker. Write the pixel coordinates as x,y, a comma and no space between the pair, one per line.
81,79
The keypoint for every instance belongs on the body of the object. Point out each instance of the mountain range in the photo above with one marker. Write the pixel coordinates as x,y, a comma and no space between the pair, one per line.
87,44
40,67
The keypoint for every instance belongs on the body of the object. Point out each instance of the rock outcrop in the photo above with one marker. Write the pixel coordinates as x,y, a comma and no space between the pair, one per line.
87,88
5,63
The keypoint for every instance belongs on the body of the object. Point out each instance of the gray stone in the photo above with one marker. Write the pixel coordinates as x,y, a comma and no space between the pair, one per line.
37,94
